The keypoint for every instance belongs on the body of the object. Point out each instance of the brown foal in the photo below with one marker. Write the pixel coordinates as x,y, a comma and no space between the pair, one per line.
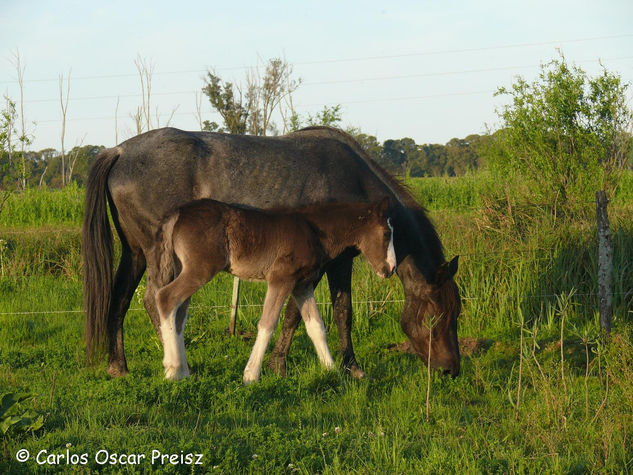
286,248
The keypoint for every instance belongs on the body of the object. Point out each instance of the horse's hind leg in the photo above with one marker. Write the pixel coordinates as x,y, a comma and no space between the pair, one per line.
314,323
126,280
339,274
292,318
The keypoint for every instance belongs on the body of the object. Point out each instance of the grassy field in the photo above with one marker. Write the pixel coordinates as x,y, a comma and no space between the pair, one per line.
539,390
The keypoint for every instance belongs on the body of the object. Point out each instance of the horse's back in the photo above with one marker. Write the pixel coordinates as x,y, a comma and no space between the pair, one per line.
163,169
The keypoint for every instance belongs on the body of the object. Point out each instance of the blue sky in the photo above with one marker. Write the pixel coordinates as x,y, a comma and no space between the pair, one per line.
420,69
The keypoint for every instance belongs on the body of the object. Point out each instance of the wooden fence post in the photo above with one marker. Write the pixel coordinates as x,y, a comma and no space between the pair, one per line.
605,262
235,301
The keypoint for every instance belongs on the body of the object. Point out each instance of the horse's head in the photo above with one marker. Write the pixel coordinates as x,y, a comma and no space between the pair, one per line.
431,311
376,239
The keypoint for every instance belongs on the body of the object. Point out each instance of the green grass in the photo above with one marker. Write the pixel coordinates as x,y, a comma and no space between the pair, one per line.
36,207
519,277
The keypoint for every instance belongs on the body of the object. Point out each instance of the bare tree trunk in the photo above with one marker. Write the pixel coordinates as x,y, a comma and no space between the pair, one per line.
23,138
42,176
116,122
64,106
199,110
145,71
73,158
138,120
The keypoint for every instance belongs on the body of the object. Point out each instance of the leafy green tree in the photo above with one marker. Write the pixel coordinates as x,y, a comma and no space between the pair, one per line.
8,133
369,143
223,98
400,155
565,135
329,116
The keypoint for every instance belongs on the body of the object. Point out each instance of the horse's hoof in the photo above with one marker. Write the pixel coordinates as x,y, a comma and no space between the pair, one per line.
355,371
117,370
278,365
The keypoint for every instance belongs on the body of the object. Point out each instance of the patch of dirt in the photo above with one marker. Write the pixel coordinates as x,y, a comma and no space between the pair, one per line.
467,346
404,347
470,346
246,336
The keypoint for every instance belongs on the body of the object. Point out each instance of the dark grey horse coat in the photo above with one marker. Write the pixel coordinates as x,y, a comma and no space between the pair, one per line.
146,177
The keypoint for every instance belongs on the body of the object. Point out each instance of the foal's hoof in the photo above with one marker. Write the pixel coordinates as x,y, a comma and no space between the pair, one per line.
117,370
250,378
174,373
278,365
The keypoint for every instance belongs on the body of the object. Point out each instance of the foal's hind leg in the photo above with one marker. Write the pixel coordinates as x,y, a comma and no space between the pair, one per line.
128,275
275,296
169,300
314,323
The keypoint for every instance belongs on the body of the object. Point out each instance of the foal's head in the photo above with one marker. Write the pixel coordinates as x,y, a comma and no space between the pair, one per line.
376,239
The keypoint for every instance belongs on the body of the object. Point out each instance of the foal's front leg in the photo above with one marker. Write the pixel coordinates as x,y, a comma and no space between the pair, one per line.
276,295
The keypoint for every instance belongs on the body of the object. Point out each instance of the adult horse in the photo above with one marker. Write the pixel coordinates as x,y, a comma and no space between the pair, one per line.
149,175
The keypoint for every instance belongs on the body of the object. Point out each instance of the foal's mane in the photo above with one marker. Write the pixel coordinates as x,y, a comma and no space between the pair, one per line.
400,190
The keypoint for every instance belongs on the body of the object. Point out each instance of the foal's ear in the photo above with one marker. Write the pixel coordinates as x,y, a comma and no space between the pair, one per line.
446,271
383,206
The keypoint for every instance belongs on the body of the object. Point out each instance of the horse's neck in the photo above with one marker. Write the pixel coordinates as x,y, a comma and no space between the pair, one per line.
336,231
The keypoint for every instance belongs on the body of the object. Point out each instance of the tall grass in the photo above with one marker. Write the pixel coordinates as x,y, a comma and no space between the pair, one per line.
36,207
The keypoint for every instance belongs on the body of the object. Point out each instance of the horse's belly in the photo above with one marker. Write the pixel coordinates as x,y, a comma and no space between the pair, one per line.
247,270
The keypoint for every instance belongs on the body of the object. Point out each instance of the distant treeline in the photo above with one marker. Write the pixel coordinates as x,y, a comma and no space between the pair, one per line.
405,157
400,156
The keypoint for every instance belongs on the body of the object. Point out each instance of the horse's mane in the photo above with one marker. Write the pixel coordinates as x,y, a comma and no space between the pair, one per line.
400,190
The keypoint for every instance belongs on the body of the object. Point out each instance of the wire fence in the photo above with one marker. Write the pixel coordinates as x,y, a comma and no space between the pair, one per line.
228,307
488,254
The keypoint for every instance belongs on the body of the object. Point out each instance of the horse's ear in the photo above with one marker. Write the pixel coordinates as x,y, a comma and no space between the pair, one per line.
452,266
446,271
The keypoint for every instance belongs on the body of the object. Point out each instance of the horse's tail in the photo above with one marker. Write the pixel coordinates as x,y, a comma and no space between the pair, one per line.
97,254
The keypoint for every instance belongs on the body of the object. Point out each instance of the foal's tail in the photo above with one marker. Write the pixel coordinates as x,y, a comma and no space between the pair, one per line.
97,253
166,247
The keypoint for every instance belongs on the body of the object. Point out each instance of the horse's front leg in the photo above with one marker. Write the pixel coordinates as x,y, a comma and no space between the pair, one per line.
304,296
276,294
339,274
127,277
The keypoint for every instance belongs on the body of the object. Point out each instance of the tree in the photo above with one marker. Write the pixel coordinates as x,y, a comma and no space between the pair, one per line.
7,143
328,116
252,111
565,134
24,138
64,105
145,70
223,98
369,143
400,155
